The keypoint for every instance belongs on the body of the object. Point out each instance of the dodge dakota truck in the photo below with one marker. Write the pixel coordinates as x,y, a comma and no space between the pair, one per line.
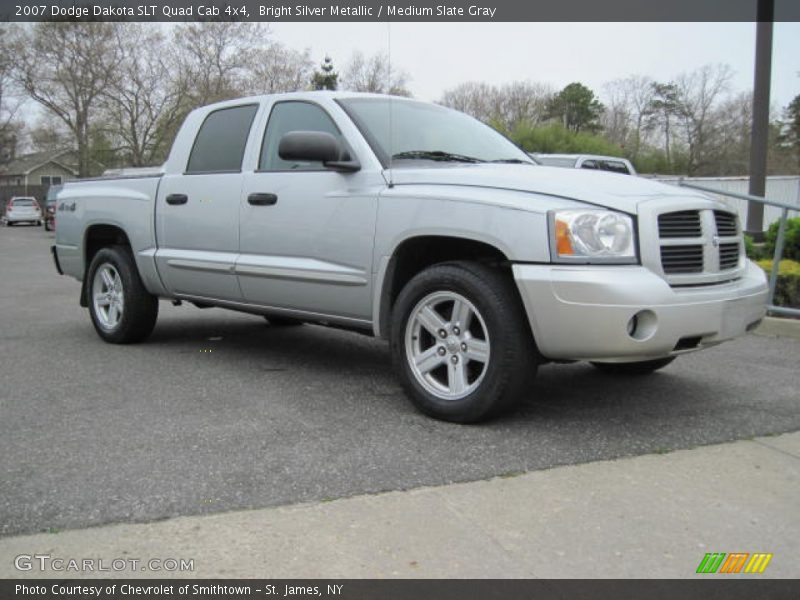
417,224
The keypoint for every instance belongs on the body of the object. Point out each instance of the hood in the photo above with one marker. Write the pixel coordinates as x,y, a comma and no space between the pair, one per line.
609,190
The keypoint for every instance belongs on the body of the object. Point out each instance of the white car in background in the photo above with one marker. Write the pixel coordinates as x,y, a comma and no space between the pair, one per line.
22,209
613,164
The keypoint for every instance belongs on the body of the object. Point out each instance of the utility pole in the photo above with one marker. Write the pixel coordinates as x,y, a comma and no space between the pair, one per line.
760,128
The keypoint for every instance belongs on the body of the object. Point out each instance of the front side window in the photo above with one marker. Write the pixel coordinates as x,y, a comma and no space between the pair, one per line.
293,116
220,143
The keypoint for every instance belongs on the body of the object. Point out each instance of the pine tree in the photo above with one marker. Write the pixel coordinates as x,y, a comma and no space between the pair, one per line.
326,78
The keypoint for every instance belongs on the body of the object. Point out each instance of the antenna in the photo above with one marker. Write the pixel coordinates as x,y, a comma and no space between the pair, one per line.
389,88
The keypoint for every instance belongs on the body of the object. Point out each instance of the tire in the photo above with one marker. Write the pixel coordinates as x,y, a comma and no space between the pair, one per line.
471,375
47,225
634,368
114,283
283,321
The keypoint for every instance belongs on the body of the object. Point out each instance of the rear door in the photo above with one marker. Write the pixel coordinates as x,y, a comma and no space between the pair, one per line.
198,210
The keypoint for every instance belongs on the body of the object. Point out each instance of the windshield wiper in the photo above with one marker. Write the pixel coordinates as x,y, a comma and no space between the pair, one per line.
512,161
435,155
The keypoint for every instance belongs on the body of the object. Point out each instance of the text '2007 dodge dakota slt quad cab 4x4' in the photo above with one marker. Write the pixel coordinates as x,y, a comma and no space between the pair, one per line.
417,224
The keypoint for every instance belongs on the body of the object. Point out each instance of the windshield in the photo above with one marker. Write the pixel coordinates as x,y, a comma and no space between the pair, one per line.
427,132
23,202
556,161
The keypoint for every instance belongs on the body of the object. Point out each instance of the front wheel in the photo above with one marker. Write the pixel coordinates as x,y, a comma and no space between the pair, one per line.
122,310
460,341
634,368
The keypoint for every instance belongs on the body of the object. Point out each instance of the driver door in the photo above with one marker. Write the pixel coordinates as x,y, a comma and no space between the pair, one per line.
306,231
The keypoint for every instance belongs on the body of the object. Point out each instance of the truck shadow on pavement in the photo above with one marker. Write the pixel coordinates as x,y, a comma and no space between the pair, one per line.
249,348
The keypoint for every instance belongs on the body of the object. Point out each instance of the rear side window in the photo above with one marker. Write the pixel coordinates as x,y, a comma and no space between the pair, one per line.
616,167
293,116
220,143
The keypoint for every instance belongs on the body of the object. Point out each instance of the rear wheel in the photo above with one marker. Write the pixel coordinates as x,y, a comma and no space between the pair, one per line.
122,310
634,368
460,342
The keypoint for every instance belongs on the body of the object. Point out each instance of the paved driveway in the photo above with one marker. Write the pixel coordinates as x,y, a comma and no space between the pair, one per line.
218,411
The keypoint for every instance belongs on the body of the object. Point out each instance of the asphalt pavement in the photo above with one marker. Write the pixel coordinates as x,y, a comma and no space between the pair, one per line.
218,411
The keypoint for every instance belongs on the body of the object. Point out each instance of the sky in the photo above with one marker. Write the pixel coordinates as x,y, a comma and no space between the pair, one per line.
439,56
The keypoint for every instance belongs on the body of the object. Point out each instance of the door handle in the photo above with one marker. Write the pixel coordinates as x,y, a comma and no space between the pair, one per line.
177,199
262,199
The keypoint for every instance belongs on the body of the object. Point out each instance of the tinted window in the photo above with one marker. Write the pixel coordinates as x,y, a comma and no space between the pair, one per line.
220,143
23,202
293,116
616,167
590,164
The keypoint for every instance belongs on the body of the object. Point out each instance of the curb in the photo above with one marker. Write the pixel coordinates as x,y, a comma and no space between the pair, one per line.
776,327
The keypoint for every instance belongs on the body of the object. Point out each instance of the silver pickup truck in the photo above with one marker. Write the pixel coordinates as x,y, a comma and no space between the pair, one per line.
416,224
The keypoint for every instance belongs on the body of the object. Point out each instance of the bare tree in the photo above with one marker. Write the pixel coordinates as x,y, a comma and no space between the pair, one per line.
475,98
10,102
374,74
700,92
66,67
275,68
522,102
143,108
214,56
48,135
730,152
628,102
506,106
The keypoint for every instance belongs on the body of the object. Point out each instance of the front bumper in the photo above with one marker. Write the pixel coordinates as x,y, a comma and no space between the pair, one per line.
585,312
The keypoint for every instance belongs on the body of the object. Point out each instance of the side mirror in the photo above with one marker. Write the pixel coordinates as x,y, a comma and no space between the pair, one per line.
316,146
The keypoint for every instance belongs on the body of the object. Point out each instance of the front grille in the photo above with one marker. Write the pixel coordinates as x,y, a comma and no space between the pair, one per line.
699,246
728,256
726,223
683,224
682,259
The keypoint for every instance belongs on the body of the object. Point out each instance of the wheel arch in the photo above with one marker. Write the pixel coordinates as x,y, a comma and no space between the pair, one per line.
415,253
96,237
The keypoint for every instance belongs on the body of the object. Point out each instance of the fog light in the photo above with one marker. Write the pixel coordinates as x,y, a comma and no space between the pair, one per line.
642,326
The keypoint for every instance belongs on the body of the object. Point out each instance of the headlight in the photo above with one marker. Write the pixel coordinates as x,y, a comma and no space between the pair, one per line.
591,236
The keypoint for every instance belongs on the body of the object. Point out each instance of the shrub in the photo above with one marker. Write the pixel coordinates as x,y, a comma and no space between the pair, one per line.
791,248
787,288
750,249
556,139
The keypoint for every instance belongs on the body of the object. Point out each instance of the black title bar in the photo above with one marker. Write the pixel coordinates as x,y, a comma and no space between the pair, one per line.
408,11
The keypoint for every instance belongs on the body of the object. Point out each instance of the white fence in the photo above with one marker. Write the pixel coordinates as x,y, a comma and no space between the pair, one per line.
779,188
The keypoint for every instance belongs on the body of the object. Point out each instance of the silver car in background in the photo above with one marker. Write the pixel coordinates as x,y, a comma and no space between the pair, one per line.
612,164
22,209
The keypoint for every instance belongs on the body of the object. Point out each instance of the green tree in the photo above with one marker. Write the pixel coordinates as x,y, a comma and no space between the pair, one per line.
665,108
790,136
326,78
577,107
